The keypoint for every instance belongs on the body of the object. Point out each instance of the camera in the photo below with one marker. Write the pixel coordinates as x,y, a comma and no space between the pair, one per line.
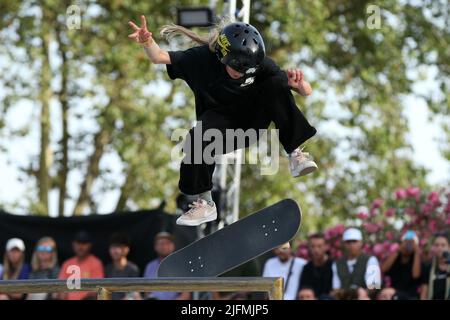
446,256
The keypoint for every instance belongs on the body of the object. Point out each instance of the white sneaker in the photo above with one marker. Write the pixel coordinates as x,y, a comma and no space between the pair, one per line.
301,163
199,213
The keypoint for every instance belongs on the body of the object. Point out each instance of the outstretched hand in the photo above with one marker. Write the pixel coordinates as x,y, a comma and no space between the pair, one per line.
297,82
141,34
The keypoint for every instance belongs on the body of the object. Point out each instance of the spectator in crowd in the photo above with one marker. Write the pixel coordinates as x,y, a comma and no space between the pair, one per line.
163,246
44,264
317,273
404,266
121,267
229,296
14,266
388,293
436,279
355,269
306,293
285,265
89,266
362,294
1,270
350,294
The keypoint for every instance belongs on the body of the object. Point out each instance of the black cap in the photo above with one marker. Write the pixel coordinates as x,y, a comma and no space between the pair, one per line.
119,239
163,235
82,237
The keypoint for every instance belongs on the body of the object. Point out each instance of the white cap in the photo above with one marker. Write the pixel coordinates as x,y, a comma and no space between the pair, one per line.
352,234
15,243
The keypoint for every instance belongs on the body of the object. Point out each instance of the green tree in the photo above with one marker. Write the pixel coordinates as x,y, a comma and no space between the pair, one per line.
104,86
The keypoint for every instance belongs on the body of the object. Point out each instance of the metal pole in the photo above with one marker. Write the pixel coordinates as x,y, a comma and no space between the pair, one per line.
212,4
105,287
245,11
237,183
232,10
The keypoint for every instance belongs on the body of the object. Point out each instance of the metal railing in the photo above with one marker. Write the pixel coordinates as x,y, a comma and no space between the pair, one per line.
105,287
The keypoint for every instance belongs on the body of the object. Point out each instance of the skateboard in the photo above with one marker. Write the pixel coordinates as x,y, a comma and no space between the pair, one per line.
235,244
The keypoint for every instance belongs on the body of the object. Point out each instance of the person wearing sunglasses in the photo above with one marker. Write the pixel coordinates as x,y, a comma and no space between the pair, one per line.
44,264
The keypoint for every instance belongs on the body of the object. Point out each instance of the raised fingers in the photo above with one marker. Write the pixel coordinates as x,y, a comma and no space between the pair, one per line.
293,75
133,25
133,35
297,75
143,22
290,74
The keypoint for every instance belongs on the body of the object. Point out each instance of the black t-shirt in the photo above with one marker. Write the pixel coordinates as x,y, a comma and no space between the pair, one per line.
438,284
130,271
401,277
211,84
319,278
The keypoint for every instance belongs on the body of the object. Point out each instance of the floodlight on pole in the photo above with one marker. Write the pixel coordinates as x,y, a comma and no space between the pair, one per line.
195,17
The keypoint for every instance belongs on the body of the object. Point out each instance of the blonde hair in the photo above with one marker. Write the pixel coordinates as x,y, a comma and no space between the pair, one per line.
7,267
35,265
172,30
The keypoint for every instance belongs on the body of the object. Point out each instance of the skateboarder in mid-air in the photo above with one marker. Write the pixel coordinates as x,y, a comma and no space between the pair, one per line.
236,86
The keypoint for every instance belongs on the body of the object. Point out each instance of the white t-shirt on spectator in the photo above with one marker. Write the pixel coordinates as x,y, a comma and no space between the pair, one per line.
372,275
275,268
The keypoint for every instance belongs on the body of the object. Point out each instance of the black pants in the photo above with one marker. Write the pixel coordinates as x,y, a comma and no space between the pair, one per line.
268,101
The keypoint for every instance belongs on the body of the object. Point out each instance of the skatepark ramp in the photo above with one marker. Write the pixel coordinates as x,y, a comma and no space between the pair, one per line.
105,287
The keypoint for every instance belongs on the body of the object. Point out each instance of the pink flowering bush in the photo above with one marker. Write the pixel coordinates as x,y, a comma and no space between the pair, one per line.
386,220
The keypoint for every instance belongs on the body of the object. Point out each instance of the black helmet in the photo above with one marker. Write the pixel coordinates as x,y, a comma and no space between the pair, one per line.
241,47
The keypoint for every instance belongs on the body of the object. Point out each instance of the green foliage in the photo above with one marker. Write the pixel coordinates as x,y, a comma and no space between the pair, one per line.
359,76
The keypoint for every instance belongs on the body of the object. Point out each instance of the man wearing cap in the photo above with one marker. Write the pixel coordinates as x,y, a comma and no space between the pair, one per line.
120,266
163,245
404,266
89,266
355,269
